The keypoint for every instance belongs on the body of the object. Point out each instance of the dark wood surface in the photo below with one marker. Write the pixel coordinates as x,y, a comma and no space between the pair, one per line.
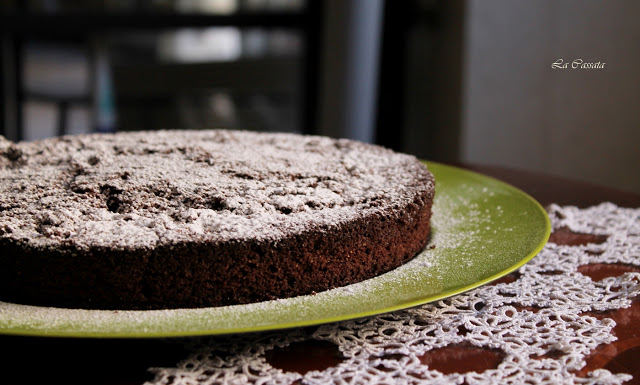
548,189
33,360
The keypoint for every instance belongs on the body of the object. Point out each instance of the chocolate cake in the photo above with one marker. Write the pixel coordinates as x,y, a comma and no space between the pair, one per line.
172,219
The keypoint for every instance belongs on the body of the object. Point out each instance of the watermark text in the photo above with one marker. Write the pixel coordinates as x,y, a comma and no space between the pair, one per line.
576,64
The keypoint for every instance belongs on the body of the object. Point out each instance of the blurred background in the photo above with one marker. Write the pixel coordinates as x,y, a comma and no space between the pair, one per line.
450,81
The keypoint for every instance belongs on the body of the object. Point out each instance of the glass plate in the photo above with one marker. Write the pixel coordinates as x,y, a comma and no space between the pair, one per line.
483,229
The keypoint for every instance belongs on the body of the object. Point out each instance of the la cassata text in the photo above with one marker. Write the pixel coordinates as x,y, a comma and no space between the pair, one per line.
577,64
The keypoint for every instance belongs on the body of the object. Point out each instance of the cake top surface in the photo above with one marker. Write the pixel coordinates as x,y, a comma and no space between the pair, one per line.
142,189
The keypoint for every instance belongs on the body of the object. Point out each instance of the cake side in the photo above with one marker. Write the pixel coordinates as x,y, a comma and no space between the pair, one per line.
201,274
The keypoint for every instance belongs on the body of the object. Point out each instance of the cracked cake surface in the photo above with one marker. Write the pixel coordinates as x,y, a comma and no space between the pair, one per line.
148,191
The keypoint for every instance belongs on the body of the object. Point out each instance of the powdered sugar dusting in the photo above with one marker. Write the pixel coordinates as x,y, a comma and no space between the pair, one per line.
440,269
139,190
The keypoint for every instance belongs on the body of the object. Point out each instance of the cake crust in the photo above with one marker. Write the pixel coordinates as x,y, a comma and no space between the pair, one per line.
175,219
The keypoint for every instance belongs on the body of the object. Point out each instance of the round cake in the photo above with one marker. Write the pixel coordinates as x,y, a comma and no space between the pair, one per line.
183,219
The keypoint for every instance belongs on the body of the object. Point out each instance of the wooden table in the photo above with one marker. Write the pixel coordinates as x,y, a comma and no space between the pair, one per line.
109,361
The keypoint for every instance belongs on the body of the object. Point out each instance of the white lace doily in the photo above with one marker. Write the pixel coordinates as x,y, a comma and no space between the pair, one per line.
542,311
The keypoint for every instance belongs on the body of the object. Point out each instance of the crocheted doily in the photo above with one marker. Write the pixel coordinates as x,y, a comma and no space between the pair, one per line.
538,324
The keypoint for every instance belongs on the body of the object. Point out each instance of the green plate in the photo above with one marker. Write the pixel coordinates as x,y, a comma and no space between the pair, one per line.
482,230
